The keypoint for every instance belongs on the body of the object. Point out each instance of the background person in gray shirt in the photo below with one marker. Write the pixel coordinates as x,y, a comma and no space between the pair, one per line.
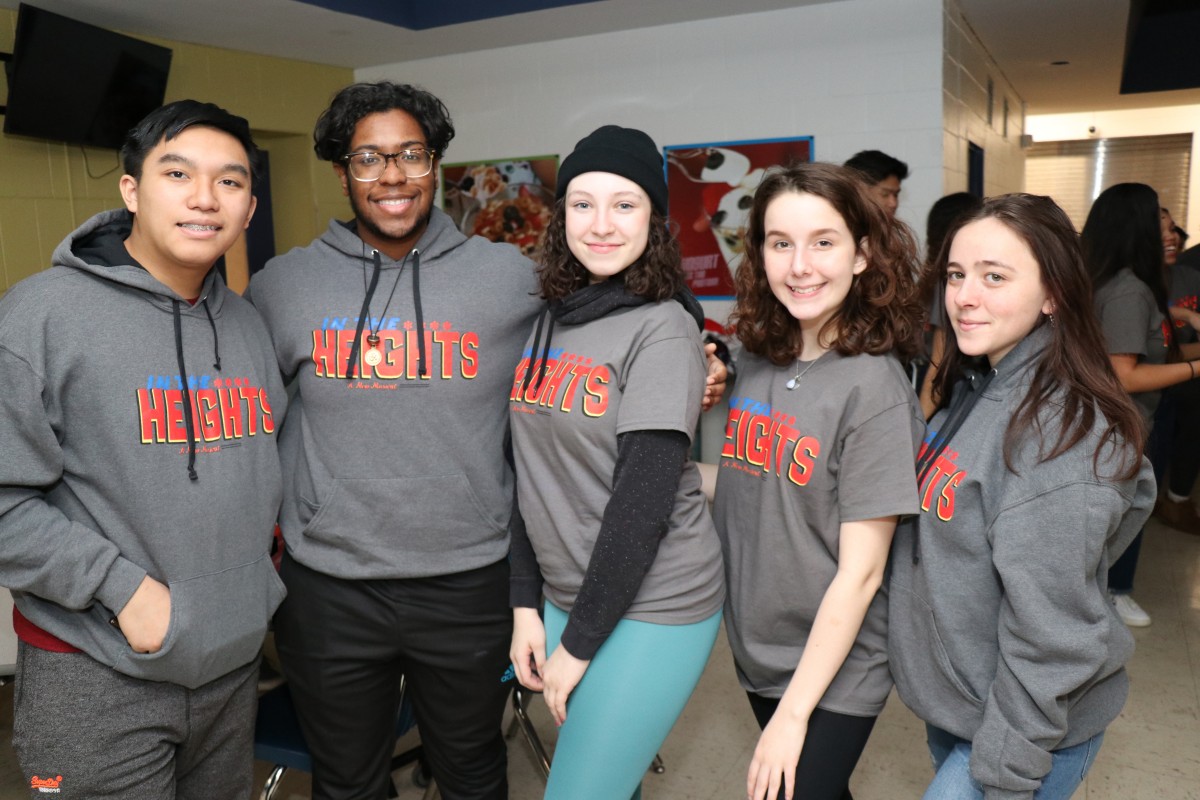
1122,248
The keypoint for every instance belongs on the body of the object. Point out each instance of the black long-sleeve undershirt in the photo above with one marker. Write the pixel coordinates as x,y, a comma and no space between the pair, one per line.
636,518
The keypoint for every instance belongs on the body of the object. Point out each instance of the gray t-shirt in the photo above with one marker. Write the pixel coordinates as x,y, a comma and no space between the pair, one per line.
1185,292
1133,325
635,369
796,464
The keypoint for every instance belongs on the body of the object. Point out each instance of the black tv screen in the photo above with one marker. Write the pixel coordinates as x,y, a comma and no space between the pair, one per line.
74,82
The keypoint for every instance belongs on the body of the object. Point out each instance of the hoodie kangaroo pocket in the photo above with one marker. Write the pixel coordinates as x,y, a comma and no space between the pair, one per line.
422,515
919,661
218,622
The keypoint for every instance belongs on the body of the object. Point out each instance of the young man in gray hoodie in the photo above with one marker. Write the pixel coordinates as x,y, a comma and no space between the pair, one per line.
399,337
140,481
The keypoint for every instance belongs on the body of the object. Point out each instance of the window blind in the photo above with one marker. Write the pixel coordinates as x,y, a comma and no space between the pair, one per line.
1075,172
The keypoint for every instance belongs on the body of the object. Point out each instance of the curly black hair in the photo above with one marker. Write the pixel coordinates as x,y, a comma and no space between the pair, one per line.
877,166
335,126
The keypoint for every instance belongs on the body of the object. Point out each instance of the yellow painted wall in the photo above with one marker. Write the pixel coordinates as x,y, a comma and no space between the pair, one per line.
47,188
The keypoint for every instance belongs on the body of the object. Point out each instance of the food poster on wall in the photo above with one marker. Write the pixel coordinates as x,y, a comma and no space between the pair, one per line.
507,200
711,188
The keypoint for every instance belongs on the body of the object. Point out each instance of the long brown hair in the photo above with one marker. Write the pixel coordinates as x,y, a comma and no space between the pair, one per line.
657,274
1074,374
880,313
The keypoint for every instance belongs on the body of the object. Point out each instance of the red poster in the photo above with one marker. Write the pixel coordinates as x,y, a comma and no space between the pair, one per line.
711,187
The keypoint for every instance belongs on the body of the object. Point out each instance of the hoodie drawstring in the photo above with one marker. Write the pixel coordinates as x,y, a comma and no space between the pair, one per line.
537,340
216,340
364,314
416,289
545,356
188,422
352,359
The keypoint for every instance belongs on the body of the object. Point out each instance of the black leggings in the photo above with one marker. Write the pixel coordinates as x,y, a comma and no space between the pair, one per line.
1176,434
832,748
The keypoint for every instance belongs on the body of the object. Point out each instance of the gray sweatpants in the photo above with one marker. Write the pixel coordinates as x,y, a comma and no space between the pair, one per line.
90,732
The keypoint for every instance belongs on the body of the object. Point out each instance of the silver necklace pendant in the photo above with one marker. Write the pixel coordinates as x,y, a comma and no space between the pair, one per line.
793,382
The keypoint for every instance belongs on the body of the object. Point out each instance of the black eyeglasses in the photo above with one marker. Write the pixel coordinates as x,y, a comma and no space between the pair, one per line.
370,166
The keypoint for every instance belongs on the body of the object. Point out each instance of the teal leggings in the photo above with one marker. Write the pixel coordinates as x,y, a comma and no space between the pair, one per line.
621,712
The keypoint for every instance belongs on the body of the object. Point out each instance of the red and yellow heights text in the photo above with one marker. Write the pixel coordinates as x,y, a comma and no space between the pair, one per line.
763,441
569,382
447,353
222,409
941,481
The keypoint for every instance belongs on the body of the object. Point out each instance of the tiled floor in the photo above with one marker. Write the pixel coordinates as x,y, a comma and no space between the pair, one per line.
1152,751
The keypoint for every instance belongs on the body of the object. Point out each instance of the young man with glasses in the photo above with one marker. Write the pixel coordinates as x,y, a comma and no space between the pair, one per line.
400,336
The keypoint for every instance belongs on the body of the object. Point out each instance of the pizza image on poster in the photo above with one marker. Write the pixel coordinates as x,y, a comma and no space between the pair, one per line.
509,200
711,188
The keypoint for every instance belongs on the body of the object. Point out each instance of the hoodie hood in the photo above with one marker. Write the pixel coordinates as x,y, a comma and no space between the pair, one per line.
96,246
981,381
439,238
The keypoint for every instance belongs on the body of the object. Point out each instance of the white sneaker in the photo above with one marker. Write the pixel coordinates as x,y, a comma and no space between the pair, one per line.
1129,611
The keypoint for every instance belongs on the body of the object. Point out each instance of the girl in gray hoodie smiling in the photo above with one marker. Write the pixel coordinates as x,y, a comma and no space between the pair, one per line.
1032,483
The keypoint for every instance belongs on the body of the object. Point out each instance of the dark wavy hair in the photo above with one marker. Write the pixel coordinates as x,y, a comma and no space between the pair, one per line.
335,126
166,122
1074,378
657,274
880,313
877,165
1124,229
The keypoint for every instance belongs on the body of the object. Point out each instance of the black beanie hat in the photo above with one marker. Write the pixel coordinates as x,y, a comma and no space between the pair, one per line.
627,152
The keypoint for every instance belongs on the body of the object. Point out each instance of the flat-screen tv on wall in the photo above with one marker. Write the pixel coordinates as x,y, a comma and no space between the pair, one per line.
74,82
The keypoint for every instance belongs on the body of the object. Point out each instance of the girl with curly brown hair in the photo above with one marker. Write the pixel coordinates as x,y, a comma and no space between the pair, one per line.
611,525
817,465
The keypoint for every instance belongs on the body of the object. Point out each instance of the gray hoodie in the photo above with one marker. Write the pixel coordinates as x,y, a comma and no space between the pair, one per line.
391,472
1001,630
95,491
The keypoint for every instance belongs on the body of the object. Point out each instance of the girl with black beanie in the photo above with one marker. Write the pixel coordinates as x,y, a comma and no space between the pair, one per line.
610,523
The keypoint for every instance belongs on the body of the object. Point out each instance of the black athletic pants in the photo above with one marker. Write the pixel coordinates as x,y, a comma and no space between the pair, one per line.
1175,439
832,747
344,645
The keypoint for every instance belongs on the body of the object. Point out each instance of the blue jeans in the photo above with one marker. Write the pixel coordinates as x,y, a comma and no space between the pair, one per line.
952,756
